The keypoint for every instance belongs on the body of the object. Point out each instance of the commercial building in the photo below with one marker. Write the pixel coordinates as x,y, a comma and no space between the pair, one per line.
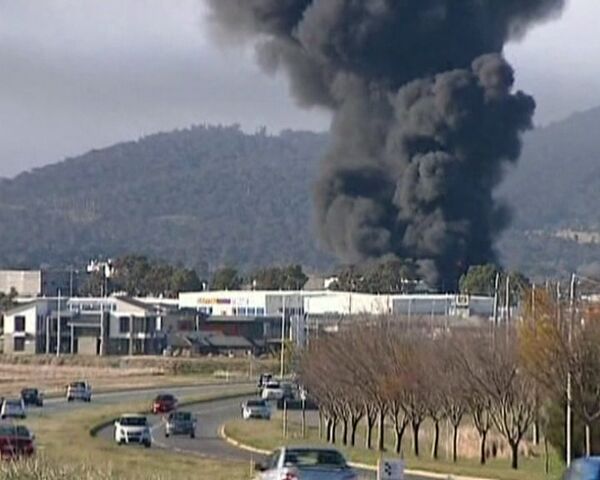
39,283
214,322
92,326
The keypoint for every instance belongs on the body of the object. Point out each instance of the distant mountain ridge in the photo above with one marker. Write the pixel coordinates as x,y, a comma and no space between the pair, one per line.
212,196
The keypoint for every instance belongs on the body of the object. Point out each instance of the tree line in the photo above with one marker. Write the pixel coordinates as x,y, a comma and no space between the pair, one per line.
509,380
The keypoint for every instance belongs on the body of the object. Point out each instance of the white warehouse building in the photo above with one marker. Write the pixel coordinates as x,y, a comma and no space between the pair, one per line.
331,303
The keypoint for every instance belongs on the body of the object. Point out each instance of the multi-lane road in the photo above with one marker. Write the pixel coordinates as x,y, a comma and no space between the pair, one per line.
210,416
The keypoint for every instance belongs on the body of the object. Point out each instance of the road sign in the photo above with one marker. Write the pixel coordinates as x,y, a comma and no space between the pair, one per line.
390,470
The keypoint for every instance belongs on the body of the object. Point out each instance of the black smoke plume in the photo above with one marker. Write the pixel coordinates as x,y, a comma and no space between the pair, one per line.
424,117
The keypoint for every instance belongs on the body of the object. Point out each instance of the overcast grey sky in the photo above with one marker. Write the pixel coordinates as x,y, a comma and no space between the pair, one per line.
82,74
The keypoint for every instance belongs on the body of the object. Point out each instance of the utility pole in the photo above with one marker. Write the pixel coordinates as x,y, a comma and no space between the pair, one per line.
507,301
282,359
569,413
48,326
496,298
101,352
72,339
58,332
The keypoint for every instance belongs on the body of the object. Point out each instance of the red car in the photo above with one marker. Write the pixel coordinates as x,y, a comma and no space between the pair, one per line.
164,403
16,441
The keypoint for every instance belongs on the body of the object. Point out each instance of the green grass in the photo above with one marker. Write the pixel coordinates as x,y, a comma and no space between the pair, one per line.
269,435
66,449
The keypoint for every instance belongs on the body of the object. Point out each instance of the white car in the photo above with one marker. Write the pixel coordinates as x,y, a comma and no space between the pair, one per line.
256,409
79,391
133,428
272,391
13,408
310,463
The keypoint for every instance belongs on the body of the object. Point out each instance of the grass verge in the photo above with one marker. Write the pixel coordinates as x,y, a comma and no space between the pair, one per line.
269,435
68,449
51,374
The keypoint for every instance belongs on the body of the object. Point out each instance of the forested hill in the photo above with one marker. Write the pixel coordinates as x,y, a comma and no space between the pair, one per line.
204,196
211,196
555,193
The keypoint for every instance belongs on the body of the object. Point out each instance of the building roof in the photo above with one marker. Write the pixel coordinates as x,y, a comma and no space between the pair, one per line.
240,318
21,307
136,303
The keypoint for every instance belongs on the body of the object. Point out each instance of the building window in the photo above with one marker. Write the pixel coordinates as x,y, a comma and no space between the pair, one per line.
242,311
123,324
260,312
19,324
138,324
251,311
150,324
19,345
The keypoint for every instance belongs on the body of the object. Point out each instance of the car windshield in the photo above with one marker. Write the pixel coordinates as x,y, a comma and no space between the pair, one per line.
182,416
165,398
255,403
29,391
314,458
13,403
14,431
273,385
77,385
133,421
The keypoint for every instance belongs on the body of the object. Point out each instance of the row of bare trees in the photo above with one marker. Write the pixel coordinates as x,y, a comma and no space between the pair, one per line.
385,372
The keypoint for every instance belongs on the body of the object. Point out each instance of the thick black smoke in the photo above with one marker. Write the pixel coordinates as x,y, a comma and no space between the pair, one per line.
425,116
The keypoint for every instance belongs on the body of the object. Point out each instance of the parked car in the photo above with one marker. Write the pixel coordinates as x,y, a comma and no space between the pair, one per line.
32,396
164,403
79,391
256,409
13,408
180,423
264,379
133,428
16,441
583,469
306,463
272,391
288,390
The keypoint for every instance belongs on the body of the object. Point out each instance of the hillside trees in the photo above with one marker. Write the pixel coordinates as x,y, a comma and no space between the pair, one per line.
385,276
138,275
290,277
226,278
481,280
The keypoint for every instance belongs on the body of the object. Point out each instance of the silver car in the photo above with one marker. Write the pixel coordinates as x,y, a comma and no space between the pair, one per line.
306,463
256,409
180,423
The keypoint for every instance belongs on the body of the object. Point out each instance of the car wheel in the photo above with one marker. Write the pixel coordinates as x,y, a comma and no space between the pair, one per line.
148,444
193,435
166,434
69,399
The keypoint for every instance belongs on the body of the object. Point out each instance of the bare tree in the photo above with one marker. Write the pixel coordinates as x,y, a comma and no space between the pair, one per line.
492,367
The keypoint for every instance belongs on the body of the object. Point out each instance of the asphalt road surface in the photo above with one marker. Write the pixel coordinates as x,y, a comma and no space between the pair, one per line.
208,443
210,417
57,405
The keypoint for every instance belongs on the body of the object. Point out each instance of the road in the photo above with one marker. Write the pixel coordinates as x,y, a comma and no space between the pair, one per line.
210,415
57,405
208,443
